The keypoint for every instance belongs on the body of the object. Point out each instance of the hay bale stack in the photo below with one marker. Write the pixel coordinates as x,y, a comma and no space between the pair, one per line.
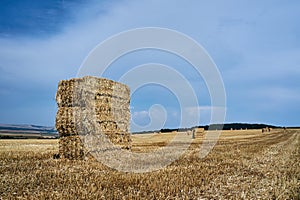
91,106
265,130
199,131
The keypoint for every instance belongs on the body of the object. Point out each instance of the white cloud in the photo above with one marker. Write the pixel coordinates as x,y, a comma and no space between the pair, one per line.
204,114
253,43
154,119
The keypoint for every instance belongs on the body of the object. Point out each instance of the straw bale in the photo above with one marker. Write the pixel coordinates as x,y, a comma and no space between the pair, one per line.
101,143
108,126
120,138
71,120
75,92
71,147
85,96
92,108
116,113
76,120
197,132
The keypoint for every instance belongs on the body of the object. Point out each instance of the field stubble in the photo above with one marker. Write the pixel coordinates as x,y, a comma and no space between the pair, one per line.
243,165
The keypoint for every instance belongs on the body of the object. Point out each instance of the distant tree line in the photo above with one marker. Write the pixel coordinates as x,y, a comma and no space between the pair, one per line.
233,126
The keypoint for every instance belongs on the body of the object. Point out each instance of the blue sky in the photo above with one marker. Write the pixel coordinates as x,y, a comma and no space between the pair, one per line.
255,45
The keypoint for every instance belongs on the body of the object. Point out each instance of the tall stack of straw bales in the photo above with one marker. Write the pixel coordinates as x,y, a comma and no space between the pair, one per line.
91,106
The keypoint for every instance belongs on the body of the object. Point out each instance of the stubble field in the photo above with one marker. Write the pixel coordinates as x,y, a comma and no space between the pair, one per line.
242,165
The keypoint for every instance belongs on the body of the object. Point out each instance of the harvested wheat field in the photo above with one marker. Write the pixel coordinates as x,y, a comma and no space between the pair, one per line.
243,165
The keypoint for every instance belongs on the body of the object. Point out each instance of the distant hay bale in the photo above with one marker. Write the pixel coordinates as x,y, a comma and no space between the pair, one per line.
265,130
197,131
91,105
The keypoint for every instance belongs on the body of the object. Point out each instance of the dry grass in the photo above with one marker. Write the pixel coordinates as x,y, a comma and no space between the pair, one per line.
243,165
150,142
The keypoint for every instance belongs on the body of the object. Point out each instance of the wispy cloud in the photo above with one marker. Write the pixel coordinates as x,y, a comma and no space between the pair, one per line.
154,119
254,44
